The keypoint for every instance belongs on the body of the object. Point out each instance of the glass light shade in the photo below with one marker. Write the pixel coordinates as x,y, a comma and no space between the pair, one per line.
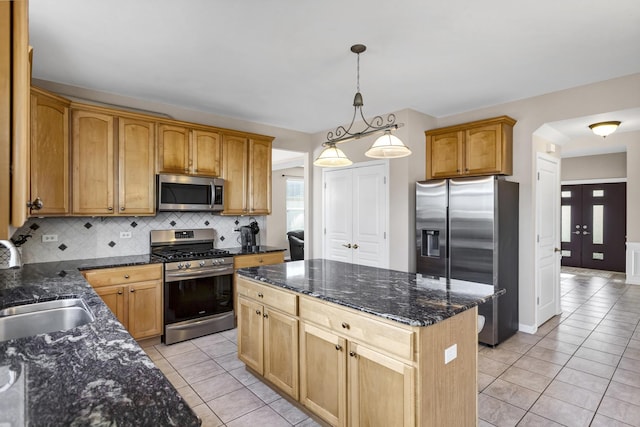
604,128
388,147
332,157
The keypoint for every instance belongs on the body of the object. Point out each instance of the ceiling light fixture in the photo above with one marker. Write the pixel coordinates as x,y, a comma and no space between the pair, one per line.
386,146
604,129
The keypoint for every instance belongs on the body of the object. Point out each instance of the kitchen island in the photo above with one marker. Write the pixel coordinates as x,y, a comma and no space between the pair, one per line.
358,345
94,374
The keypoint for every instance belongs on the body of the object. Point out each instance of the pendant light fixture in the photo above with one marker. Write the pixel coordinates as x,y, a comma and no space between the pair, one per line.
387,146
604,129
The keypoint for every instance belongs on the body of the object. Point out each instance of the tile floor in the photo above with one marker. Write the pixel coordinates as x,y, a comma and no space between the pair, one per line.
580,369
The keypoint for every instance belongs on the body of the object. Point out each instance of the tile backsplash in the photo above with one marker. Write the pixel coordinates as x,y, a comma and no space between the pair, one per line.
99,237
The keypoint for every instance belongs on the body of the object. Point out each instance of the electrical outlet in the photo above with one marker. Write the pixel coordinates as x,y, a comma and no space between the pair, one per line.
125,234
450,353
46,238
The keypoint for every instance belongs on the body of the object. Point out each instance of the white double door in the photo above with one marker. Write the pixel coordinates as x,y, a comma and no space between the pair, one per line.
355,215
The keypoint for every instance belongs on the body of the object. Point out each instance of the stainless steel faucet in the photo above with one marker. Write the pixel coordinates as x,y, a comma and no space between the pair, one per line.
14,261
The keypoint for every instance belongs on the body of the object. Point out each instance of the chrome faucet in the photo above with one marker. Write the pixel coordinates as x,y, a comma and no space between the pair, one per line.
14,260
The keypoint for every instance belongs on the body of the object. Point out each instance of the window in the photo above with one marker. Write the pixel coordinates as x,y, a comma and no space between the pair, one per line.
295,204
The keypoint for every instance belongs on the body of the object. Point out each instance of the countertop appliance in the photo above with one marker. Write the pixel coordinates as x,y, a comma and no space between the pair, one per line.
198,283
249,235
189,193
467,229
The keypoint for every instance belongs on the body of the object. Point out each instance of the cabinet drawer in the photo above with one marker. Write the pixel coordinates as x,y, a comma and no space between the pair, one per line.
281,300
242,261
123,275
388,338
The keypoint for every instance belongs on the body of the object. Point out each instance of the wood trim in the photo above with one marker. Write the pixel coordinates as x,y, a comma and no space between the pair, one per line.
464,126
5,117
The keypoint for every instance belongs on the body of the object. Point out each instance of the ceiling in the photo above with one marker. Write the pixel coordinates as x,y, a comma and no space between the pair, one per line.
287,63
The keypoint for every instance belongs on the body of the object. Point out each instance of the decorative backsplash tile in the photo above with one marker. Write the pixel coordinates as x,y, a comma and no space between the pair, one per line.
98,237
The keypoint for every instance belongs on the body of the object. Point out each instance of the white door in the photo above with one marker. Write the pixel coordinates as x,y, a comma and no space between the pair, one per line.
355,214
548,238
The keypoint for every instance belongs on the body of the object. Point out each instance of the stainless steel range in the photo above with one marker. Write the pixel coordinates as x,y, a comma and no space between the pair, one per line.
198,283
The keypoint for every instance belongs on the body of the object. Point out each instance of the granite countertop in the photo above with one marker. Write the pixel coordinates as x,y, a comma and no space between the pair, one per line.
403,297
95,374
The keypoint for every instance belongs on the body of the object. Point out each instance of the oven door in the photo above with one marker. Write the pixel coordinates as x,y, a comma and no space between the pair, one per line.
192,297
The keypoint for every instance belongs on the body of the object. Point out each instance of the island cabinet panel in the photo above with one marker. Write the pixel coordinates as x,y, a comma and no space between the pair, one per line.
250,334
49,155
134,295
323,373
484,147
281,351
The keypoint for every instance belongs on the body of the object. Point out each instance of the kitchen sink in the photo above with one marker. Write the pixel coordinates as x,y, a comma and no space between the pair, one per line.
43,317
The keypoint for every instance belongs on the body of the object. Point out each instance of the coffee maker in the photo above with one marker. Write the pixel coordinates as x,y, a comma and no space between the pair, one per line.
249,235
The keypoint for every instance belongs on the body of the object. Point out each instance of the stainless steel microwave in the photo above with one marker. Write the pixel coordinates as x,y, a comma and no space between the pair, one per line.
189,193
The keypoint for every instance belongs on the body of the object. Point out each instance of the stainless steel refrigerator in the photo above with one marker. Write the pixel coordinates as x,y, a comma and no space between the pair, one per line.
467,229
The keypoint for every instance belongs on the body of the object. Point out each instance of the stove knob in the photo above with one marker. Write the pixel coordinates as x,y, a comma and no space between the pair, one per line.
180,266
201,263
187,265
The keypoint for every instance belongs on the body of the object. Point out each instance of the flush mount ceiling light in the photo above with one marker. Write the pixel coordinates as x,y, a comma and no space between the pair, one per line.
386,146
604,129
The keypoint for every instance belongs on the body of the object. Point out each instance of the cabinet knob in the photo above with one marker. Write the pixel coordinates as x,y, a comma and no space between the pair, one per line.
353,354
36,204
120,292
122,208
458,170
258,312
266,315
132,290
110,208
345,325
338,347
260,295
466,169
260,260
126,276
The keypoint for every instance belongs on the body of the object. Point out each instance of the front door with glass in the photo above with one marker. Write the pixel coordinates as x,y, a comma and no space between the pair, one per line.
594,218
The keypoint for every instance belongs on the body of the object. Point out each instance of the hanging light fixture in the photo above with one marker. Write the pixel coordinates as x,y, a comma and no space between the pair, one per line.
604,129
386,146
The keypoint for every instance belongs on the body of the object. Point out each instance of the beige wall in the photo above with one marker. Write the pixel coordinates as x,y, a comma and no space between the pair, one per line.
277,221
602,166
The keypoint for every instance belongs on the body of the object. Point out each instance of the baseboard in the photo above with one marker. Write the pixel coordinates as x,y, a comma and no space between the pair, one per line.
527,329
633,263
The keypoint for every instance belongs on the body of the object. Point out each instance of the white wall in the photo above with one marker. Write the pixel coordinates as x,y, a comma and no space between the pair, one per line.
602,166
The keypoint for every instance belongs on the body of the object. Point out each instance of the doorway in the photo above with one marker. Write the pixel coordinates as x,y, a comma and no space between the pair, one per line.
594,226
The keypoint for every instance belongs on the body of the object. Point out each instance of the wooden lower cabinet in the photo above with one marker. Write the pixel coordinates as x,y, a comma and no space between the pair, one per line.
134,295
268,344
356,369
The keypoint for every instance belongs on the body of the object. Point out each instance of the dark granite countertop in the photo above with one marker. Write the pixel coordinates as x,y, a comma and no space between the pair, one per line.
250,250
95,374
403,297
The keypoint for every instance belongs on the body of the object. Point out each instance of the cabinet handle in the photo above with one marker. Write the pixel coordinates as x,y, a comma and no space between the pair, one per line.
260,295
258,312
338,347
36,204
353,354
110,208
346,325
266,315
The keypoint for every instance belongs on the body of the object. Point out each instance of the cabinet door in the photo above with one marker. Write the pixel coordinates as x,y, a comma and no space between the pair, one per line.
173,149
93,163
50,154
145,309
323,375
205,153
483,151
371,372
259,177
136,141
234,173
281,351
444,155
114,298
250,334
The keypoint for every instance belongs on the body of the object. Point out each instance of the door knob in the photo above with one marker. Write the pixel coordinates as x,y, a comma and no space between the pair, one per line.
576,232
355,246
585,232
348,245
556,250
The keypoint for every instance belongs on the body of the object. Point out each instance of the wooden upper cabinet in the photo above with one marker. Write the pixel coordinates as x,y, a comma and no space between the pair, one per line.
205,152
49,156
186,150
173,149
93,163
478,148
246,169
136,172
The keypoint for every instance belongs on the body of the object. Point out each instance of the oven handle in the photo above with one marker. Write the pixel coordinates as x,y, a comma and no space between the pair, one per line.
199,273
